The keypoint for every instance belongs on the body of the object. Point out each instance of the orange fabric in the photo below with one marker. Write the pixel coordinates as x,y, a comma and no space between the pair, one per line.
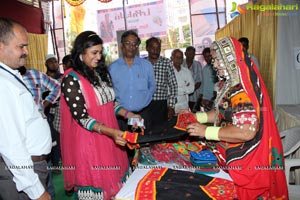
185,119
131,139
240,98
220,189
146,186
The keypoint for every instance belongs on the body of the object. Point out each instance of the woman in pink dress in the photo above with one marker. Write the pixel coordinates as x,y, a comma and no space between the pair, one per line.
94,158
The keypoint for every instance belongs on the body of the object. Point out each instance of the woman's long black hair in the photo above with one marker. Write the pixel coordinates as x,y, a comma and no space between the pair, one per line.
83,41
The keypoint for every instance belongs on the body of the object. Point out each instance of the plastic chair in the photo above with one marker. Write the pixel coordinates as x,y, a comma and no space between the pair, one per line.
276,116
291,142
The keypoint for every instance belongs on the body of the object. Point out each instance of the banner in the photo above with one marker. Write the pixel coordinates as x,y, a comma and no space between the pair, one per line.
149,19
205,23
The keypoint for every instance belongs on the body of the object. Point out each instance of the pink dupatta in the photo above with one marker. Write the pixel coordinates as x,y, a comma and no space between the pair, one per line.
89,158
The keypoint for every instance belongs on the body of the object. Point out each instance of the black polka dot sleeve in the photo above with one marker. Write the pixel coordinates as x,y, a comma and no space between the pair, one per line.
71,91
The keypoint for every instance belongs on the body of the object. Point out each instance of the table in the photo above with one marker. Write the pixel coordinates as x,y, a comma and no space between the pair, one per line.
127,192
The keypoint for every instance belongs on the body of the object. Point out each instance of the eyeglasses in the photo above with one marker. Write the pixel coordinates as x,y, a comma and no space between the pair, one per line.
131,44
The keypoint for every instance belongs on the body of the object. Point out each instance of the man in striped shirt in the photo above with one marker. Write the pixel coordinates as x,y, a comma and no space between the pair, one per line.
38,83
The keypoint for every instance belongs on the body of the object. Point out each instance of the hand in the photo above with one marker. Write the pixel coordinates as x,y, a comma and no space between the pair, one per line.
135,126
118,138
206,102
171,112
196,129
46,104
197,85
45,196
132,115
183,111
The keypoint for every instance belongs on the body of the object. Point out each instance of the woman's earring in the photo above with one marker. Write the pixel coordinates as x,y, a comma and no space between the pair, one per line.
80,57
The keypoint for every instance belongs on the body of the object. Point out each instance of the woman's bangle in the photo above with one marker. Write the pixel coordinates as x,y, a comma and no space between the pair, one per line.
99,127
212,133
126,114
202,117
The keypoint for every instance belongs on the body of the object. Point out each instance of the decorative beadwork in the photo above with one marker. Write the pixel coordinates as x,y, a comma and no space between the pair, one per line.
89,193
245,118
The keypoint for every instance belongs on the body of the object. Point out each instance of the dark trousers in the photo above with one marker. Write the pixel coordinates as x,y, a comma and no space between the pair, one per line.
55,155
8,187
158,113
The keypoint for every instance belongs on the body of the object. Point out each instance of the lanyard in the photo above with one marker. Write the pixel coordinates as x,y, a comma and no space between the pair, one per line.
18,79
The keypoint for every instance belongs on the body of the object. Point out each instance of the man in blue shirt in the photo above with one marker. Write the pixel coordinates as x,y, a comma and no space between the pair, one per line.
133,79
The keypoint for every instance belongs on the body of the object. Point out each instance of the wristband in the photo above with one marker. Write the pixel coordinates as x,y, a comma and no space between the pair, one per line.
212,133
126,114
201,117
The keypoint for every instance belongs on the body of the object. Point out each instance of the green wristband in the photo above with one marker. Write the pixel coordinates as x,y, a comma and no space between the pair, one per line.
201,117
212,133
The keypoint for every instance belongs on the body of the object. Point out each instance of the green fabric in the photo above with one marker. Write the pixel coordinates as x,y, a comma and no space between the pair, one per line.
95,190
58,182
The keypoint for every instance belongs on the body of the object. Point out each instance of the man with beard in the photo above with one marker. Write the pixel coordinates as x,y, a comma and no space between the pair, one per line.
52,66
164,98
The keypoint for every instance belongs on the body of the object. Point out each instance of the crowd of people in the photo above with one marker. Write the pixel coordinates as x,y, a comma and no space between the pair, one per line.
85,110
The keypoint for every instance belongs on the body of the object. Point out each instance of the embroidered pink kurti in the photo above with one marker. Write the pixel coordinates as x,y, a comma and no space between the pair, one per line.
91,159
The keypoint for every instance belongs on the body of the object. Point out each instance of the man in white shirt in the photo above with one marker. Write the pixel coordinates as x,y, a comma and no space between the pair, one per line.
25,134
185,81
196,69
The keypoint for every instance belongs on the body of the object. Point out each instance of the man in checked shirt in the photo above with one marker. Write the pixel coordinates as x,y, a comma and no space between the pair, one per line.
164,98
